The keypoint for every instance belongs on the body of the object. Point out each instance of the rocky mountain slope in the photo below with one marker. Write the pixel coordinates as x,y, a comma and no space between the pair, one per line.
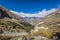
12,22
52,21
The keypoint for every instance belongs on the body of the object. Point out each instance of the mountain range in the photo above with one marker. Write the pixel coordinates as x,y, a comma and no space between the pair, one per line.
33,20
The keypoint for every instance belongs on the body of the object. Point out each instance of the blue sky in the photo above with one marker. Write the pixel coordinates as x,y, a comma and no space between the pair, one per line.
29,6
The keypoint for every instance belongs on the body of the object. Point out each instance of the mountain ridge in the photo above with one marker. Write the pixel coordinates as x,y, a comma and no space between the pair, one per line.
11,22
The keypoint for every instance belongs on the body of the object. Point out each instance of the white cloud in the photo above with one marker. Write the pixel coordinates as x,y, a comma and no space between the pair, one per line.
42,13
